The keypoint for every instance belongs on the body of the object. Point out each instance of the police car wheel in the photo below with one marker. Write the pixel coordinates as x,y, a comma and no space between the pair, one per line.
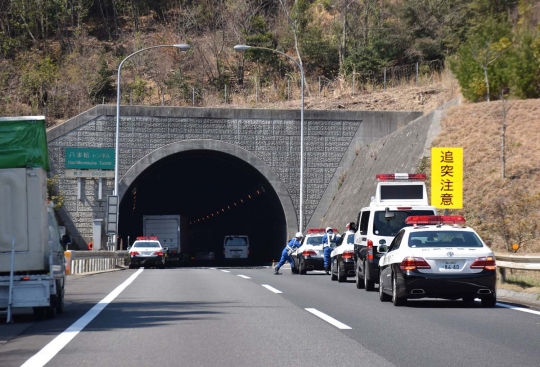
369,285
489,301
397,301
340,277
383,297
333,277
359,282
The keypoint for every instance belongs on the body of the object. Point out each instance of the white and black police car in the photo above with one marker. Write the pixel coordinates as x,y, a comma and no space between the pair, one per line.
437,257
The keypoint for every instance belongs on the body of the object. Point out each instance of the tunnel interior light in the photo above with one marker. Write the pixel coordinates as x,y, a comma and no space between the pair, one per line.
257,191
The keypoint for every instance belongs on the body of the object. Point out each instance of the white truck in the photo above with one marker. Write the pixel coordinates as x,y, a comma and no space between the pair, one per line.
397,196
32,264
172,232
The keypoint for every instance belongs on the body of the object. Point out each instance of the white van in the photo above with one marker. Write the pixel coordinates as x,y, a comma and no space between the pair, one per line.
236,247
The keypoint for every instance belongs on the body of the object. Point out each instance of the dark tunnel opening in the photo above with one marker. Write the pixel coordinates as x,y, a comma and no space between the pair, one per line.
219,194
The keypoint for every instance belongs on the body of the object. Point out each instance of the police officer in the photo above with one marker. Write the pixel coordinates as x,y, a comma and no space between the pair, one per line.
293,244
329,241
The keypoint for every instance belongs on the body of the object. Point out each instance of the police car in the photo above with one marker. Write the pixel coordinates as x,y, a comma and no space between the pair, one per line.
397,196
147,251
437,257
342,258
309,256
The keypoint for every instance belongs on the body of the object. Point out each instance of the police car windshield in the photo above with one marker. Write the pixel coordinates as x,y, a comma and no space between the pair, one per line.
390,227
315,240
146,244
431,239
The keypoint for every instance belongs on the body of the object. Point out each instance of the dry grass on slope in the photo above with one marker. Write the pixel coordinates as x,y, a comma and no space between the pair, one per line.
504,211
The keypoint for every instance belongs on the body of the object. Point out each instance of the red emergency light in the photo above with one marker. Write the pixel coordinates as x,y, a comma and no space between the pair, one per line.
435,219
147,238
320,230
400,176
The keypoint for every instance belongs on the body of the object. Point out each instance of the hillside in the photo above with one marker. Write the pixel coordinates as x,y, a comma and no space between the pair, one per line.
507,210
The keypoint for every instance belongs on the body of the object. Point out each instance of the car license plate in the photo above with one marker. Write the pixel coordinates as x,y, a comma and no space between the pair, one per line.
235,254
146,253
450,265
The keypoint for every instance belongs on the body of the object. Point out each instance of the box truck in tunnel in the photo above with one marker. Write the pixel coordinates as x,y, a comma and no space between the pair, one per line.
173,232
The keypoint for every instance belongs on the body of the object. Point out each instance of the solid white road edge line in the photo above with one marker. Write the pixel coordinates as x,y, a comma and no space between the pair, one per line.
225,271
518,308
328,319
42,357
270,288
243,276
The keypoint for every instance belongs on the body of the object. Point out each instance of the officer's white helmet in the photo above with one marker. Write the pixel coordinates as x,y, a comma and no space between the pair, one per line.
329,229
298,235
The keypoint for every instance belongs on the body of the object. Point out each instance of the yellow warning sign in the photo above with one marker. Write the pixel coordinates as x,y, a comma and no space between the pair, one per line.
447,178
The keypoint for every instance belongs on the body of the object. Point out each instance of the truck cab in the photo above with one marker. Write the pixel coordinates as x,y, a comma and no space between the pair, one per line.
397,196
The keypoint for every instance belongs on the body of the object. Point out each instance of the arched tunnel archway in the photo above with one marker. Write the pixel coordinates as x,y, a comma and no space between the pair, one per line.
219,193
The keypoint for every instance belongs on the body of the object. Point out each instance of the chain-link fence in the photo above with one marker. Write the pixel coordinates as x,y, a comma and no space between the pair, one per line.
268,88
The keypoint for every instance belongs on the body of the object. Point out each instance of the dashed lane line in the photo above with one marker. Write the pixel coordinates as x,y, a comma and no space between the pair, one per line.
226,271
270,288
328,319
48,352
243,276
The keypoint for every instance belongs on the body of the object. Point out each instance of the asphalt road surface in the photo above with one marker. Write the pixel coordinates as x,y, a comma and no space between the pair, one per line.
251,317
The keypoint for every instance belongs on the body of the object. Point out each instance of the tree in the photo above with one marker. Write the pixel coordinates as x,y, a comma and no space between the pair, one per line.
476,58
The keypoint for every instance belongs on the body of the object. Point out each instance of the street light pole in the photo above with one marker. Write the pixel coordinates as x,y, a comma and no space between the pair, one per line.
242,48
182,47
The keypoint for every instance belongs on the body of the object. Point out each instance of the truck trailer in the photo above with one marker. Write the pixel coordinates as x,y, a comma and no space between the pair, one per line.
172,232
32,264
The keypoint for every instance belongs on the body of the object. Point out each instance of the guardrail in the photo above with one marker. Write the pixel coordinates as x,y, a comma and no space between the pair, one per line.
518,262
80,262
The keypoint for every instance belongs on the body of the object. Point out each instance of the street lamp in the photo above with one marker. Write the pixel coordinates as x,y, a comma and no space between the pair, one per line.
182,47
242,48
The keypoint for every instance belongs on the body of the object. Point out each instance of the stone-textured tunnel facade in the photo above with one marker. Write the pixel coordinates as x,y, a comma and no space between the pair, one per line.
331,141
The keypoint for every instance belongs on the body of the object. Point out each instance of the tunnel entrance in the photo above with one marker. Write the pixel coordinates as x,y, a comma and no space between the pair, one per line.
219,194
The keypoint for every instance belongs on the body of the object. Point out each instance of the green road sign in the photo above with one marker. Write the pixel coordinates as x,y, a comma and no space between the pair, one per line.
90,158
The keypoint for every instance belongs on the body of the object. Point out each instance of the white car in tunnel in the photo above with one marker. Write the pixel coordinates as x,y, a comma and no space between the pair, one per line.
236,247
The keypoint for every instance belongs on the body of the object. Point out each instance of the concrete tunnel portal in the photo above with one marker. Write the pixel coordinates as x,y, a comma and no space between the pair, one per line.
219,193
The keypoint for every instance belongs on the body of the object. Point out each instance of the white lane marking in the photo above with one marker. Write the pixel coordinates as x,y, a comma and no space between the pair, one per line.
225,271
328,319
271,288
212,268
243,276
518,308
50,350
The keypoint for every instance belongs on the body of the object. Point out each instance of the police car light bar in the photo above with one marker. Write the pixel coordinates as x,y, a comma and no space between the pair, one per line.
319,230
147,238
435,219
401,176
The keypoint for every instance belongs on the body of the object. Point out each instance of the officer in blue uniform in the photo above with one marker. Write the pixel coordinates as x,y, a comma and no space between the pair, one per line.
293,244
329,241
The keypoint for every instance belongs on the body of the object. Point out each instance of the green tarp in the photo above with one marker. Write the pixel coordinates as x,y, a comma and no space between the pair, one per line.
23,142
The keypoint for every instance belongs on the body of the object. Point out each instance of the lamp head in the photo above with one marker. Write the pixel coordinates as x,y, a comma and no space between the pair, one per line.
182,46
241,48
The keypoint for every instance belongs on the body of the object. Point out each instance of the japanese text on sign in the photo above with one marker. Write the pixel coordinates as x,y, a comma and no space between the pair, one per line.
447,178
89,158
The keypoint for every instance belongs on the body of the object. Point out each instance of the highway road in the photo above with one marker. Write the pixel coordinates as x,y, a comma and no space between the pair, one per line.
251,317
